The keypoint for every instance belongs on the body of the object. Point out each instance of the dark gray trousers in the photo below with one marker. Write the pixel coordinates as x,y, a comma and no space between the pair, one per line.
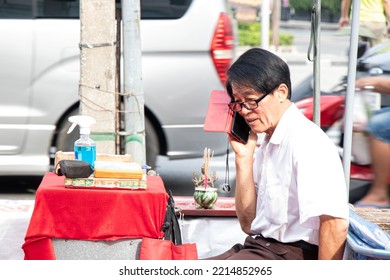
260,248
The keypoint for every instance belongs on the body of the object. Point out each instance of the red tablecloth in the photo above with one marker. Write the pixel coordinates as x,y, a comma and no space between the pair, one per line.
92,214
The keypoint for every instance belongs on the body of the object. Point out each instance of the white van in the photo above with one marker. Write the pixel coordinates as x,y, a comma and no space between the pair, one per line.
187,45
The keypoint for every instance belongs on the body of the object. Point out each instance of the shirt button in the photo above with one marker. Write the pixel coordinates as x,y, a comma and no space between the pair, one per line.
267,244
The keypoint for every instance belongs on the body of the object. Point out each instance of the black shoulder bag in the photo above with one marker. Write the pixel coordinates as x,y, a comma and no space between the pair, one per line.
171,227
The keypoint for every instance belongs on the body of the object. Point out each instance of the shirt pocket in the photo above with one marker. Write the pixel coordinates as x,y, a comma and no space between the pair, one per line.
276,202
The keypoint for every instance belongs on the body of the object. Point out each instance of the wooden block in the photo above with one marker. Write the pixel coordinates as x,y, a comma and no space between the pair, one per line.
119,174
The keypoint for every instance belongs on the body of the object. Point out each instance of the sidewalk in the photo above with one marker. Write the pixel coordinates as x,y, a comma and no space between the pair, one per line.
302,24
294,57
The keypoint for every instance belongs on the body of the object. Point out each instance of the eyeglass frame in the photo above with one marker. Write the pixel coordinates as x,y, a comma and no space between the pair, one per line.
242,104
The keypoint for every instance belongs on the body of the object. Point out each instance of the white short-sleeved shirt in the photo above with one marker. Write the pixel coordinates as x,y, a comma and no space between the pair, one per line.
298,177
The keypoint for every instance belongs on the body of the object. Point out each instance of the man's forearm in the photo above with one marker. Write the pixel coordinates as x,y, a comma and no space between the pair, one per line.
245,197
332,238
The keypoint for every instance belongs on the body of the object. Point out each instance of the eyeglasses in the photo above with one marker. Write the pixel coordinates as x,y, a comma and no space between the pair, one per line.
249,105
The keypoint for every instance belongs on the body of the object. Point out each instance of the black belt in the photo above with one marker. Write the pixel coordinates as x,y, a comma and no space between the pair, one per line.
301,244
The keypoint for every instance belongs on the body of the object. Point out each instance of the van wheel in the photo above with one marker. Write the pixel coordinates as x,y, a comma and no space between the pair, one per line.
65,142
152,144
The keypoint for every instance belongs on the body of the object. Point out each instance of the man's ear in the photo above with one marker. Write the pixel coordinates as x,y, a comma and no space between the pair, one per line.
282,93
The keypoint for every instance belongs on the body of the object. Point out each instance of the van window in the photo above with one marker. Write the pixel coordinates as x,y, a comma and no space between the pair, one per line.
62,9
16,9
164,9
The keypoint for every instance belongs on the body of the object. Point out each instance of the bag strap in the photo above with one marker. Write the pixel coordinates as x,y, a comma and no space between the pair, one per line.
171,227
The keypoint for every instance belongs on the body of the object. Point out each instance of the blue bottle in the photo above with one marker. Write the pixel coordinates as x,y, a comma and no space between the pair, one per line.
84,147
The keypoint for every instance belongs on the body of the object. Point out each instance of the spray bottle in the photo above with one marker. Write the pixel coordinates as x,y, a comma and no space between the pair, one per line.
84,147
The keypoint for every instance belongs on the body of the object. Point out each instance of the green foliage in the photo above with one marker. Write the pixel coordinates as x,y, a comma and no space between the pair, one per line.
302,5
249,35
286,39
332,7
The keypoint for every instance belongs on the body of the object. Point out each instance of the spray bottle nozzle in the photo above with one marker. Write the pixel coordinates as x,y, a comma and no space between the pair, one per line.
84,122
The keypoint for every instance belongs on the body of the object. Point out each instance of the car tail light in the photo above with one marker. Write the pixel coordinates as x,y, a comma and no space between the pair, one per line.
222,46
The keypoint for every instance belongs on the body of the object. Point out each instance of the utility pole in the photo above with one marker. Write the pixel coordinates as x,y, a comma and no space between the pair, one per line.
97,86
316,20
276,8
265,11
132,78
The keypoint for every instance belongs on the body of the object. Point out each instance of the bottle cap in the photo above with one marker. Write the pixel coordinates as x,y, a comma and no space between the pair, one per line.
84,122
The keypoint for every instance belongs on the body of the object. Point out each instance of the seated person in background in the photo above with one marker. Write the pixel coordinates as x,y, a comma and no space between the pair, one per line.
378,128
290,192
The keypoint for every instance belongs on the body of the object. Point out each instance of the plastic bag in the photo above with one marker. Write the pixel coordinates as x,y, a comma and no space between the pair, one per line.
361,112
159,249
368,232
365,102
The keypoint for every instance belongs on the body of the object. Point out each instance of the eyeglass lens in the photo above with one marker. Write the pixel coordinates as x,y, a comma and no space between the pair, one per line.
249,105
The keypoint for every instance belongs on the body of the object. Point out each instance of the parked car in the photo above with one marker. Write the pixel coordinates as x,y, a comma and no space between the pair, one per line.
187,47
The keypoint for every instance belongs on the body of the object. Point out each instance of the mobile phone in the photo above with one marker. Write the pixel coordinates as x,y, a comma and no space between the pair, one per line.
240,129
